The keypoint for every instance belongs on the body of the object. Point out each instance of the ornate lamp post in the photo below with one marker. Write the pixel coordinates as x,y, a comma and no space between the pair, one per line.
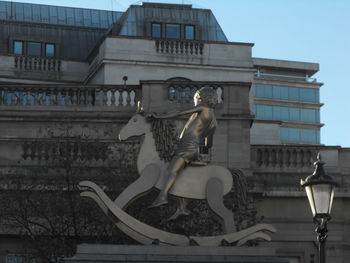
319,189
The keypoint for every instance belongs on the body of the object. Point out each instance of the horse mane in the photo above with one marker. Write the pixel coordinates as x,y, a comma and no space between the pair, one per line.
166,138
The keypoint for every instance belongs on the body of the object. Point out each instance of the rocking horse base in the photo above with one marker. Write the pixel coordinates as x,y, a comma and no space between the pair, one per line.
149,254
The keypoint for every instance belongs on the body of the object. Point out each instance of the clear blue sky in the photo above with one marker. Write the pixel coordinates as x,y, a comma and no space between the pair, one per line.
301,30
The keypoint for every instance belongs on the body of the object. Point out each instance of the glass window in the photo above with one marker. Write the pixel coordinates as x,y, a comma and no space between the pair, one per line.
284,134
286,93
308,136
308,115
317,96
300,135
277,92
189,32
294,114
171,93
280,113
18,47
294,135
308,95
50,50
263,112
34,48
172,31
156,30
294,94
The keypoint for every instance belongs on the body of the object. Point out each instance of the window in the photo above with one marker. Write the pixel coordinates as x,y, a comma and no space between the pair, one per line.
286,93
287,113
172,31
263,112
156,30
18,47
308,115
300,135
294,114
50,50
280,113
307,95
34,48
189,32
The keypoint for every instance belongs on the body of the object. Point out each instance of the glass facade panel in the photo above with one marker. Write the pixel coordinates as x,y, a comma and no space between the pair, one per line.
308,136
264,112
294,94
294,114
300,135
280,113
189,32
172,31
18,47
49,50
286,93
307,95
308,115
156,30
34,48
287,113
294,135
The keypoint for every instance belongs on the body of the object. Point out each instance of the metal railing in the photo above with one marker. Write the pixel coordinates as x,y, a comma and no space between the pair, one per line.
280,76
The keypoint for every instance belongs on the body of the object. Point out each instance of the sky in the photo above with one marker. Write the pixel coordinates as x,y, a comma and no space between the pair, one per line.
301,30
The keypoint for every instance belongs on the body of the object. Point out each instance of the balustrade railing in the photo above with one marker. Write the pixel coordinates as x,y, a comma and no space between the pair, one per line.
283,156
73,149
37,63
109,96
184,93
179,47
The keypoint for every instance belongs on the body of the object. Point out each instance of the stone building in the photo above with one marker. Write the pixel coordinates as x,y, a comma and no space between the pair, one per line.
70,72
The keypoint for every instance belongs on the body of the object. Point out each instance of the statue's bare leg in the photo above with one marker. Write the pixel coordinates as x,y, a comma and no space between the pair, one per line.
181,209
176,165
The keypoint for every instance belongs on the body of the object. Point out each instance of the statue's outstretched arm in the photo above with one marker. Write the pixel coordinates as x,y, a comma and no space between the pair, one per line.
178,113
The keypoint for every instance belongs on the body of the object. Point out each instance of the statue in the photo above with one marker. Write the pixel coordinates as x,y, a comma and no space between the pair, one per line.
200,127
178,173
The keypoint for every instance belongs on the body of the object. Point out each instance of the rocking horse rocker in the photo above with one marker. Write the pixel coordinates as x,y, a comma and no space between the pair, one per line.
184,176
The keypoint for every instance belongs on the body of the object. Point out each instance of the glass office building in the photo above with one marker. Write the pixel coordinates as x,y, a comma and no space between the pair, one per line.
286,101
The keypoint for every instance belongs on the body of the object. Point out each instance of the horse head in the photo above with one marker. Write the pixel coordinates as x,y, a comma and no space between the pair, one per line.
136,126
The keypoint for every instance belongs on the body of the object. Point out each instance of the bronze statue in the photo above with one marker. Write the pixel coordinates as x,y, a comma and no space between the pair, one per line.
200,127
210,182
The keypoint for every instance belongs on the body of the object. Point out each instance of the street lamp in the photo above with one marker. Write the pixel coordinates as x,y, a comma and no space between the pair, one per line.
319,189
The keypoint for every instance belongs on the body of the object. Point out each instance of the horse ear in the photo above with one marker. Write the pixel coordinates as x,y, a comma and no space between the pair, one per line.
139,107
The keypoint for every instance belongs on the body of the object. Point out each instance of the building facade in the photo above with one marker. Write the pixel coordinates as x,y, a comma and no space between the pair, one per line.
79,73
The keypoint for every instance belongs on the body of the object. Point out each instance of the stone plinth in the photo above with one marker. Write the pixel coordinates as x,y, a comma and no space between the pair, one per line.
142,254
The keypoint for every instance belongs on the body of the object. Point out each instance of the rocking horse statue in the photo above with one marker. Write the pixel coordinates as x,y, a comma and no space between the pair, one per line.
177,172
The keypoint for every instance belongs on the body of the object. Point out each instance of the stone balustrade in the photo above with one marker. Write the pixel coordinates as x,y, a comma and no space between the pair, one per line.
37,63
183,92
280,157
60,150
184,47
66,96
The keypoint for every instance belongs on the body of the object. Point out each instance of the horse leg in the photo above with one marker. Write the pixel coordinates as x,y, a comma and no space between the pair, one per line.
214,195
148,179
181,209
